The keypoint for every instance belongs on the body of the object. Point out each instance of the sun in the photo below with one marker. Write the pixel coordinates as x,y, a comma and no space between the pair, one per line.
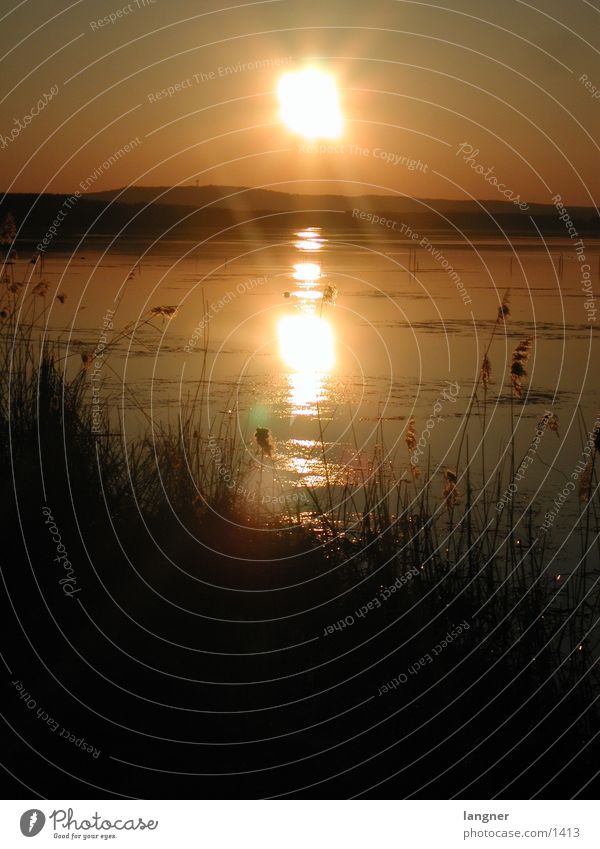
306,343
310,105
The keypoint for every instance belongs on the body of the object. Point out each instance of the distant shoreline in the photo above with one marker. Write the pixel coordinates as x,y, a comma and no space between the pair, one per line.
378,217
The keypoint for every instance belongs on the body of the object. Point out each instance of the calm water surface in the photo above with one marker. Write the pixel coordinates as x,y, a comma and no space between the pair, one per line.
335,343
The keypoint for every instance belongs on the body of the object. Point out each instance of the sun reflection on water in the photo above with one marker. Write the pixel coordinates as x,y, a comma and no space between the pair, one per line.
306,390
310,240
307,348
306,343
305,464
307,272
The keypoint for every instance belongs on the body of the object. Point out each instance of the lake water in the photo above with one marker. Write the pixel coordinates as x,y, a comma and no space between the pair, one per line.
405,338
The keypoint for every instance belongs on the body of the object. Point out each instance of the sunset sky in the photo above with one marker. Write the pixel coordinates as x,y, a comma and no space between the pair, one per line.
416,80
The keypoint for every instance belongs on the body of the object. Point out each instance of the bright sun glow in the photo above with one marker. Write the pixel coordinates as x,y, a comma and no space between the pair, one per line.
306,245
309,104
306,390
307,271
307,294
309,240
306,343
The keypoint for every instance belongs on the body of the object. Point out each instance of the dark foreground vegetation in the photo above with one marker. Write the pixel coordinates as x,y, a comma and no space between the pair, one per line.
381,641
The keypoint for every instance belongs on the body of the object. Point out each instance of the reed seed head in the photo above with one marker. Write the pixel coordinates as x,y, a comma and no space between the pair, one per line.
450,492
330,294
518,372
40,289
552,424
264,440
411,436
504,309
585,481
486,371
8,229
167,312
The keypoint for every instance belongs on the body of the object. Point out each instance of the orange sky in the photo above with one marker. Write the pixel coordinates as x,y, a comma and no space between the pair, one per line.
515,81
